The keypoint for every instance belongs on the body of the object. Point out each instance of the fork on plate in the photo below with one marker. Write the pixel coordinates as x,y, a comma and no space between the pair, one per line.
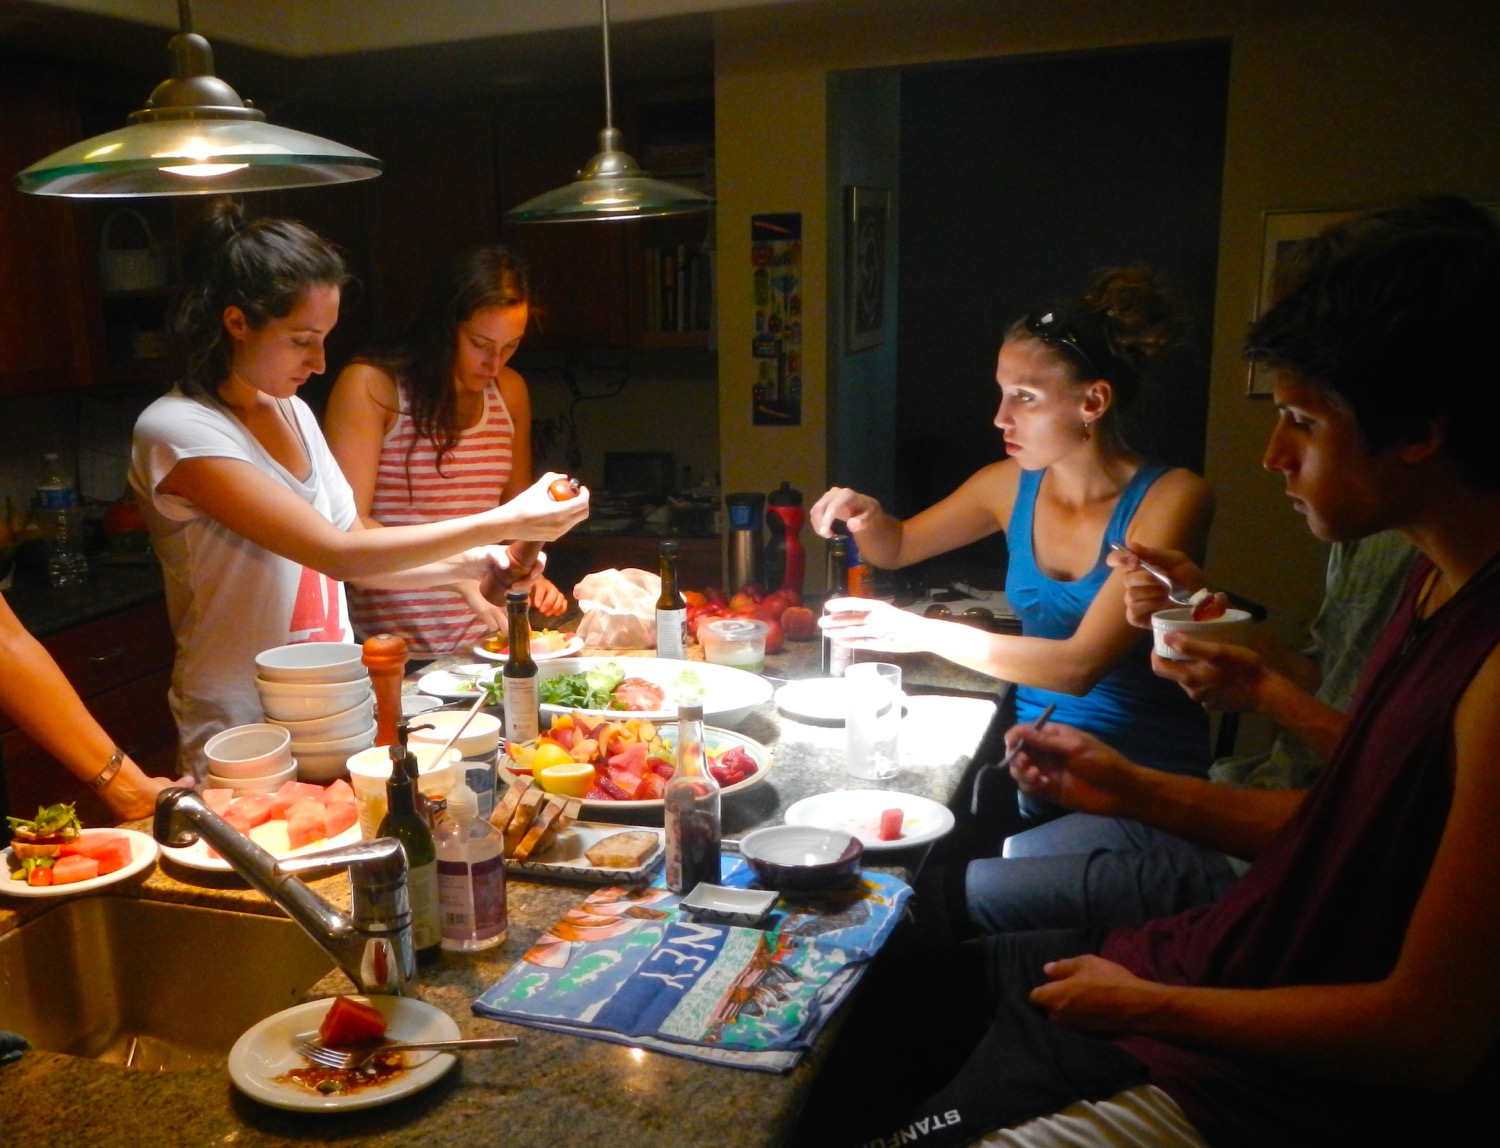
312,1047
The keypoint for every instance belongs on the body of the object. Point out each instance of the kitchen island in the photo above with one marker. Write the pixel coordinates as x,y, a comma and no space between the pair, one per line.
554,1088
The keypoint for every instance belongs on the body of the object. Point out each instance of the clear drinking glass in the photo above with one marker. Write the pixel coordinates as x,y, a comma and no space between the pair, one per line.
873,719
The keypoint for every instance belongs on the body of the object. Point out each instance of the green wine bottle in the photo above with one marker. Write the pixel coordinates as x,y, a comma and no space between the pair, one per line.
405,823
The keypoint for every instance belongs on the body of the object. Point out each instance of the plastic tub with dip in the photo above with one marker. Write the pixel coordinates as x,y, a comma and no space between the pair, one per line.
737,642
370,769
478,746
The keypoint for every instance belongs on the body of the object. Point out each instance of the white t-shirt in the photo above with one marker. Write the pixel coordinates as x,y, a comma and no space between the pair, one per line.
228,599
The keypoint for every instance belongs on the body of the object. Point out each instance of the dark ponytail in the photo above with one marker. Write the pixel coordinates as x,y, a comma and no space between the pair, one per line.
265,267
1115,330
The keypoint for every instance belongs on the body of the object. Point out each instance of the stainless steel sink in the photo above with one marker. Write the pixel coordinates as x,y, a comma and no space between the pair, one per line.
150,985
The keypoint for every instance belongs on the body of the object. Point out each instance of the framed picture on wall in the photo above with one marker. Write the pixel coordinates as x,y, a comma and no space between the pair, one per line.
1281,231
867,228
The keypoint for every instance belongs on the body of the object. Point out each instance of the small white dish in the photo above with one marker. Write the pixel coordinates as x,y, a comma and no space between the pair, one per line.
307,701
857,811
255,750
265,1052
143,851
345,723
746,907
414,704
268,784
815,701
566,650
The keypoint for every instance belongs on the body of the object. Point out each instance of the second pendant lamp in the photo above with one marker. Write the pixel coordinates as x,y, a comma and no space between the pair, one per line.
611,185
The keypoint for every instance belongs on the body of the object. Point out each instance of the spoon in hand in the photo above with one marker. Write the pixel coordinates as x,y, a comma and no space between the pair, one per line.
1179,594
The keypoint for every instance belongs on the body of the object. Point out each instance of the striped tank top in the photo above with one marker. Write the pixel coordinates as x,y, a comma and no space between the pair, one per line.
473,479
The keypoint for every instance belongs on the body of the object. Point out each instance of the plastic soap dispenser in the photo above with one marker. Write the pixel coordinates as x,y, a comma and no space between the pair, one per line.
471,875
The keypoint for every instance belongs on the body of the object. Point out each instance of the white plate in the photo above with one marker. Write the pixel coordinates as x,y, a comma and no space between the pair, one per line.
265,1052
717,741
818,701
196,855
142,854
455,685
858,811
566,650
728,694
564,858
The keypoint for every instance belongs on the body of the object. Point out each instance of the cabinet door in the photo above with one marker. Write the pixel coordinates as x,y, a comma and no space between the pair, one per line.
43,344
135,715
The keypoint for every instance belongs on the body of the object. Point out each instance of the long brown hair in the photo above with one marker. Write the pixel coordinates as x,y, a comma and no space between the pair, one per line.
421,359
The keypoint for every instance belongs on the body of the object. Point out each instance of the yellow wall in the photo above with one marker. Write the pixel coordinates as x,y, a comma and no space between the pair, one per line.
1331,105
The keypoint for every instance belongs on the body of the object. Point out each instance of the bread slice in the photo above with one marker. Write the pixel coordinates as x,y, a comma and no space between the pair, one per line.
520,822
505,808
541,824
626,850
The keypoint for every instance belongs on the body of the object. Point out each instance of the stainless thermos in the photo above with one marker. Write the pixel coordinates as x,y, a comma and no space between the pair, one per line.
743,554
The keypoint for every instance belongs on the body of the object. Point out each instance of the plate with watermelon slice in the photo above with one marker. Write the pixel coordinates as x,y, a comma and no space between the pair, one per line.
119,853
298,818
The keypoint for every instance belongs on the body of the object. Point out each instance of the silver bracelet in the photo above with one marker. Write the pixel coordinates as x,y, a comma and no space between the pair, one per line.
111,767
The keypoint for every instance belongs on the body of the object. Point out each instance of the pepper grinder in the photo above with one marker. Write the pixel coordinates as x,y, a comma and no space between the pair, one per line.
385,657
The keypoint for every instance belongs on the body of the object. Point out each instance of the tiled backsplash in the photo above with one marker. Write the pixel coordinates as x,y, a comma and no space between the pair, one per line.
89,430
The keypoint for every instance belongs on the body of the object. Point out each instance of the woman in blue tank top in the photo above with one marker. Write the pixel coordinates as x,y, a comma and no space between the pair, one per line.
1069,486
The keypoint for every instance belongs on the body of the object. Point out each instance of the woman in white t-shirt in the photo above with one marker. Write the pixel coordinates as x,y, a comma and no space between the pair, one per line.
249,513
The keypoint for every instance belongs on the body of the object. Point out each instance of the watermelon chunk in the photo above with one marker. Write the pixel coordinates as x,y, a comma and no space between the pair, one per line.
305,824
338,816
292,792
67,870
112,855
338,792
631,760
253,807
217,799
349,1021
91,842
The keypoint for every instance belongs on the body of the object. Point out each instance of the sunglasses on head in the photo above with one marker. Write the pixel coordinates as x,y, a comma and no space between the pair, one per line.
1051,327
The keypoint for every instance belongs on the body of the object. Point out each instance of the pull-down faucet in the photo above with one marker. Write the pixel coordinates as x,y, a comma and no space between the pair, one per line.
372,943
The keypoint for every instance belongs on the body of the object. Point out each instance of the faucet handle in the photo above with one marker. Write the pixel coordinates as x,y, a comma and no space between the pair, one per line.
380,861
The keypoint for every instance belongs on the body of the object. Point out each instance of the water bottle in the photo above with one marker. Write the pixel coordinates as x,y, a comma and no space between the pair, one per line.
60,515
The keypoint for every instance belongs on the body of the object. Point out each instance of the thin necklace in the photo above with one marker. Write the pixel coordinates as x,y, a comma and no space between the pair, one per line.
1420,619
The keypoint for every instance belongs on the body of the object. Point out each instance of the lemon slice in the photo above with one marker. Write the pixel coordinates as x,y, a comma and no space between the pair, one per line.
572,780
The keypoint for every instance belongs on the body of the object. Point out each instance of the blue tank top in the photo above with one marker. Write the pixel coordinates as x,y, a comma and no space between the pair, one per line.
1147,718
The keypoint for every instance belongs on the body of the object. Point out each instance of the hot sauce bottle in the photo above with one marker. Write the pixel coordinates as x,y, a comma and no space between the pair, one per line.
691,809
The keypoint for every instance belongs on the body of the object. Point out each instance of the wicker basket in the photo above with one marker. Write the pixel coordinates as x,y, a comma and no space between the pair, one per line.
130,268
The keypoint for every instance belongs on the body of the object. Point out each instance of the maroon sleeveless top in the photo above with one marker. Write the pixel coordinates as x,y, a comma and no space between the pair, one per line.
1328,902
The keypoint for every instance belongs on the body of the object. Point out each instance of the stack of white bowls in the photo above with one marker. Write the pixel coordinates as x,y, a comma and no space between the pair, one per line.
249,759
319,692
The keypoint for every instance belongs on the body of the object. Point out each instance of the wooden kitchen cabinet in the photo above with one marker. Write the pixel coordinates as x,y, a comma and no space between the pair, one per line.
42,327
121,665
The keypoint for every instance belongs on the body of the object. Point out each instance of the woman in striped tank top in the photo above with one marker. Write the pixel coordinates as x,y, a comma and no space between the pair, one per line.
436,425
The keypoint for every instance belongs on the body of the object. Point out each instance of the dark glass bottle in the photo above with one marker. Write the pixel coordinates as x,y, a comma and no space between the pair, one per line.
671,608
522,713
691,809
404,821
835,585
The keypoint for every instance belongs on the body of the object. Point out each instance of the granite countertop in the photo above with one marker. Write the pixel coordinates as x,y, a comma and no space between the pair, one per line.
554,1088
111,587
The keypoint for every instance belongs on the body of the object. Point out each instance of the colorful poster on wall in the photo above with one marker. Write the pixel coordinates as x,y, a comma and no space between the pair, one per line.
776,346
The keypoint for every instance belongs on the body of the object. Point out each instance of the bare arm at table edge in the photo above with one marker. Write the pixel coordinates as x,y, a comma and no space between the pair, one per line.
1080,772
258,508
1429,1024
1176,511
41,701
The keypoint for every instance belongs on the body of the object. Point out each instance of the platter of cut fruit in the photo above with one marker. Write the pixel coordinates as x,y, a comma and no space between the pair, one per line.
54,855
297,818
624,764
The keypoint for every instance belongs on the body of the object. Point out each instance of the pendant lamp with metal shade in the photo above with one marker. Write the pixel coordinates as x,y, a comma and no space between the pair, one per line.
611,185
195,136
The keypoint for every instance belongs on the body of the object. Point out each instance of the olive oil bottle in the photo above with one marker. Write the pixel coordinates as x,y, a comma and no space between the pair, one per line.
403,821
